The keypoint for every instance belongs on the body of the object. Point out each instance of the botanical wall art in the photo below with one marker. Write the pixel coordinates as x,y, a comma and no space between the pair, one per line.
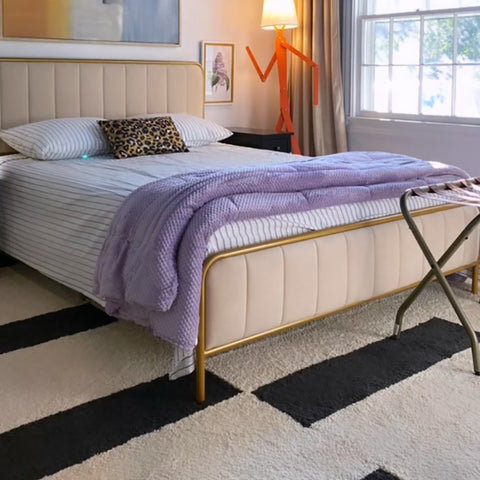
132,21
218,65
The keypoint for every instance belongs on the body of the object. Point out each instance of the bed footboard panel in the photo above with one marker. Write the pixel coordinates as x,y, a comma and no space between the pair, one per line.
253,293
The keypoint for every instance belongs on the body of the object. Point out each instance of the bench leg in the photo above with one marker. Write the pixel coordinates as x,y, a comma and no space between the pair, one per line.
475,279
436,271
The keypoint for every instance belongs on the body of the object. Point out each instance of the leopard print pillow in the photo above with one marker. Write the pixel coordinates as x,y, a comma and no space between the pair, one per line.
134,137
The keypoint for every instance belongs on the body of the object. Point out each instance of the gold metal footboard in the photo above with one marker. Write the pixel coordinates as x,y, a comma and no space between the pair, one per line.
202,352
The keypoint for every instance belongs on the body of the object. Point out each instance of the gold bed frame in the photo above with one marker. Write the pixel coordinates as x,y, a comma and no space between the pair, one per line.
202,353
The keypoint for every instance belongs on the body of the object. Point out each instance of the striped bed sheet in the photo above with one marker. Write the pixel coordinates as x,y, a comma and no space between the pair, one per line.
55,215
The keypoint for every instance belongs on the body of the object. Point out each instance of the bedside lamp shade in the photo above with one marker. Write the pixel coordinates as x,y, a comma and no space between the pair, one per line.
279,14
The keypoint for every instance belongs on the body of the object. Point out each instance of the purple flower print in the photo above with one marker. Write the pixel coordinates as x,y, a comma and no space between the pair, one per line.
219,73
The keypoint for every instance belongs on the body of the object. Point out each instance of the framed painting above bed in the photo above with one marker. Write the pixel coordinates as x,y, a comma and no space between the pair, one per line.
127,21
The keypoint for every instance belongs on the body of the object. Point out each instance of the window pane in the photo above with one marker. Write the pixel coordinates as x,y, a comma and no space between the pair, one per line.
406,42
375,89
438,40
393,6
397,6
440,4
437,91
376,38
468,46
419,59
405,90
468,91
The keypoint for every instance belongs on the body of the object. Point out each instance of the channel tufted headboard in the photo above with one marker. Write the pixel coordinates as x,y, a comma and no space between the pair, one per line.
39,89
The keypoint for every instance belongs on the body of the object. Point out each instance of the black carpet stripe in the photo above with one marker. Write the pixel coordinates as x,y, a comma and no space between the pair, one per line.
52,325
380,475
317,391
67,438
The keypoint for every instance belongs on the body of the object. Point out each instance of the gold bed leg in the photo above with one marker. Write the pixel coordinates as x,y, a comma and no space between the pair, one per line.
475,279
200,375
200,350
200,363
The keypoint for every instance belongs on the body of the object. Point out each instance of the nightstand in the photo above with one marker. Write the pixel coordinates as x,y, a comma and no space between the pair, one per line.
259,138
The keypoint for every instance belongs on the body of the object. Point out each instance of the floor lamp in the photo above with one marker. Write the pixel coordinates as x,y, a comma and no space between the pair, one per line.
281,15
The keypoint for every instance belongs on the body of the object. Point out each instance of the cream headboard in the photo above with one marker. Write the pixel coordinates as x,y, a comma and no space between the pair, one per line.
41,89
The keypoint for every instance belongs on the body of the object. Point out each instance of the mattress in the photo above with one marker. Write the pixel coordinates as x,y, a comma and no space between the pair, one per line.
55,215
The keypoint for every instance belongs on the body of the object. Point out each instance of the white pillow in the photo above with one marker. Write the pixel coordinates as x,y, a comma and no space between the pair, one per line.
58,138
195,131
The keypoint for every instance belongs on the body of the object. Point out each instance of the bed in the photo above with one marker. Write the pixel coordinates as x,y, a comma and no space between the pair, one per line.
259,276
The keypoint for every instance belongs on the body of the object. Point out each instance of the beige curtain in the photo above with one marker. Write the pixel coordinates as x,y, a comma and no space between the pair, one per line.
320,129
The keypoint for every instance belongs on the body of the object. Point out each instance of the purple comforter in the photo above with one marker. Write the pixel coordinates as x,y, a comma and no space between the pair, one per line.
150,266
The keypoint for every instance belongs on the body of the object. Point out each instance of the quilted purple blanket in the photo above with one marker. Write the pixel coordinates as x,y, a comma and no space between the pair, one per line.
150,266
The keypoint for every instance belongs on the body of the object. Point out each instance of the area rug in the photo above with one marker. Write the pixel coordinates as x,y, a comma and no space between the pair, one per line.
84,396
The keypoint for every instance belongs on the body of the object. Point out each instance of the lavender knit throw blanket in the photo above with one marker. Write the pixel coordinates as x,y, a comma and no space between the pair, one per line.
150,266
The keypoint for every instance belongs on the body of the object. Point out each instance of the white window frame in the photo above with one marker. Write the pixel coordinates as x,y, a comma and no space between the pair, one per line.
358,18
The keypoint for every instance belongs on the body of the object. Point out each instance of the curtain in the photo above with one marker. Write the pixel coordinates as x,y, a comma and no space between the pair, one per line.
320,129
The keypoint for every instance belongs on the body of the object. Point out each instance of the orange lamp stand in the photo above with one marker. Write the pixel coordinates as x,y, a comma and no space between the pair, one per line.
280,56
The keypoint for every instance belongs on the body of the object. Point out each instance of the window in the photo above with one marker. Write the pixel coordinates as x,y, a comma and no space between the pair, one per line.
419,59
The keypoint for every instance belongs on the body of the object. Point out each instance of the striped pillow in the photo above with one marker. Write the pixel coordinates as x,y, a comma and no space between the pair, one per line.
195,131
58,138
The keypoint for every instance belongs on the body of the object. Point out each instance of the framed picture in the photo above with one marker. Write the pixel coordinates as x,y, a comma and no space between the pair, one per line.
218,67
129,21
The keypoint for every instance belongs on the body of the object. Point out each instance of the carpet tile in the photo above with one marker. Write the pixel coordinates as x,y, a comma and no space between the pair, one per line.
381,475
68,321
46,446
318,391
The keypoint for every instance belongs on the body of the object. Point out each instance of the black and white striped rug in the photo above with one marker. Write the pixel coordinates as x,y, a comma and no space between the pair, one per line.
83,396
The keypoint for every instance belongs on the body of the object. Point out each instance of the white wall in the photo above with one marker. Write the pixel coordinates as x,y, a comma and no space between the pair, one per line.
238,21
455,144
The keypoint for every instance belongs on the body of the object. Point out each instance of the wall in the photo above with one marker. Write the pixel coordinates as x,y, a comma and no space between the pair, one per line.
455,144
237,21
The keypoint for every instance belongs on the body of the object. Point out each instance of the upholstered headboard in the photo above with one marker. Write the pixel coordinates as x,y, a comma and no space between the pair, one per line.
41,89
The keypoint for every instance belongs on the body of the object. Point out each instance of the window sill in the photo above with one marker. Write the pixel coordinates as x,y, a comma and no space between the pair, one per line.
370,123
